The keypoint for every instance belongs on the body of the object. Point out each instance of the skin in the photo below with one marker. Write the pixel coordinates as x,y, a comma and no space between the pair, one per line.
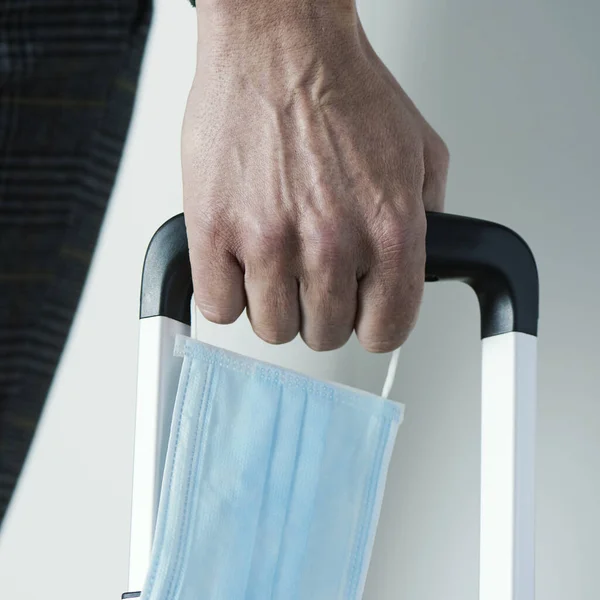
307,172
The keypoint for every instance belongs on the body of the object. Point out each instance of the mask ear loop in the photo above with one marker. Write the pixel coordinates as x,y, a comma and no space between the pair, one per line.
391,374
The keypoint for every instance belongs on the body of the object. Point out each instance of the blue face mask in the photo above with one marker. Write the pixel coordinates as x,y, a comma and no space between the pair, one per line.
272,486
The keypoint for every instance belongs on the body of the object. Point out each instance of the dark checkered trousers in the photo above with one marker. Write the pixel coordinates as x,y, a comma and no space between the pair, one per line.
68,78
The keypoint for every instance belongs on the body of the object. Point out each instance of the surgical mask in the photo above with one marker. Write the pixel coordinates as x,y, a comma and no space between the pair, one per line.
273,483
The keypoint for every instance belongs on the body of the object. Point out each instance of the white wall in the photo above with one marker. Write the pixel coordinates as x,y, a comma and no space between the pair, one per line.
514,88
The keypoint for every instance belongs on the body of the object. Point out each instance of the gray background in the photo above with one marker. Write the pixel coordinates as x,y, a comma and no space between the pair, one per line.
514,88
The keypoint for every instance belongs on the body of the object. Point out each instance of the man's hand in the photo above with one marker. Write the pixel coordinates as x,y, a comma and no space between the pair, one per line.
307,172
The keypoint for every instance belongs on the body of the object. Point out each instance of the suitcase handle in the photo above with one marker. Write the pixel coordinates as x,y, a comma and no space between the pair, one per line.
498,265
492,259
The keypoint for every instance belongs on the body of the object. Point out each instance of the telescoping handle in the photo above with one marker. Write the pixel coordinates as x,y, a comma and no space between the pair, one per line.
499,266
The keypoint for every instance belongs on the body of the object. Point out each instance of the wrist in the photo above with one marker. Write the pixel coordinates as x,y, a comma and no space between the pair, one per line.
249,28
281,10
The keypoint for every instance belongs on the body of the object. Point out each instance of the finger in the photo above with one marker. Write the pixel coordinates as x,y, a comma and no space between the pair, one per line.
272,296
217,277
328,289
269,256
389,295
328,307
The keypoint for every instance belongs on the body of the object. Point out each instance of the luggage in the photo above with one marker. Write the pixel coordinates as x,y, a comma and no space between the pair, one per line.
498,265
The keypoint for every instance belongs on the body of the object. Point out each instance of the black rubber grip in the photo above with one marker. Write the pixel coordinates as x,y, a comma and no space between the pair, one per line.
492,259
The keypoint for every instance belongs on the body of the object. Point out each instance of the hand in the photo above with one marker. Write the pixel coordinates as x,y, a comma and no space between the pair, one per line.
307,172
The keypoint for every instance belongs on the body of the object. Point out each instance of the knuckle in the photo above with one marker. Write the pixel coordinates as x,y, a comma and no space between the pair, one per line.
327,244
394,229
439,153
328,333
274,335
392,314
269,240
217,314
210,219
391,237
323,344
386,338
379,345
211,230
400,236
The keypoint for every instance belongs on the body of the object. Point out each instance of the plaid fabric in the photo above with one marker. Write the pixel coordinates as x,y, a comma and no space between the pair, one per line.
68,76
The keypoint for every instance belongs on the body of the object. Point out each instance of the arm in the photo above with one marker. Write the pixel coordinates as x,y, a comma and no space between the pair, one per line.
307,172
